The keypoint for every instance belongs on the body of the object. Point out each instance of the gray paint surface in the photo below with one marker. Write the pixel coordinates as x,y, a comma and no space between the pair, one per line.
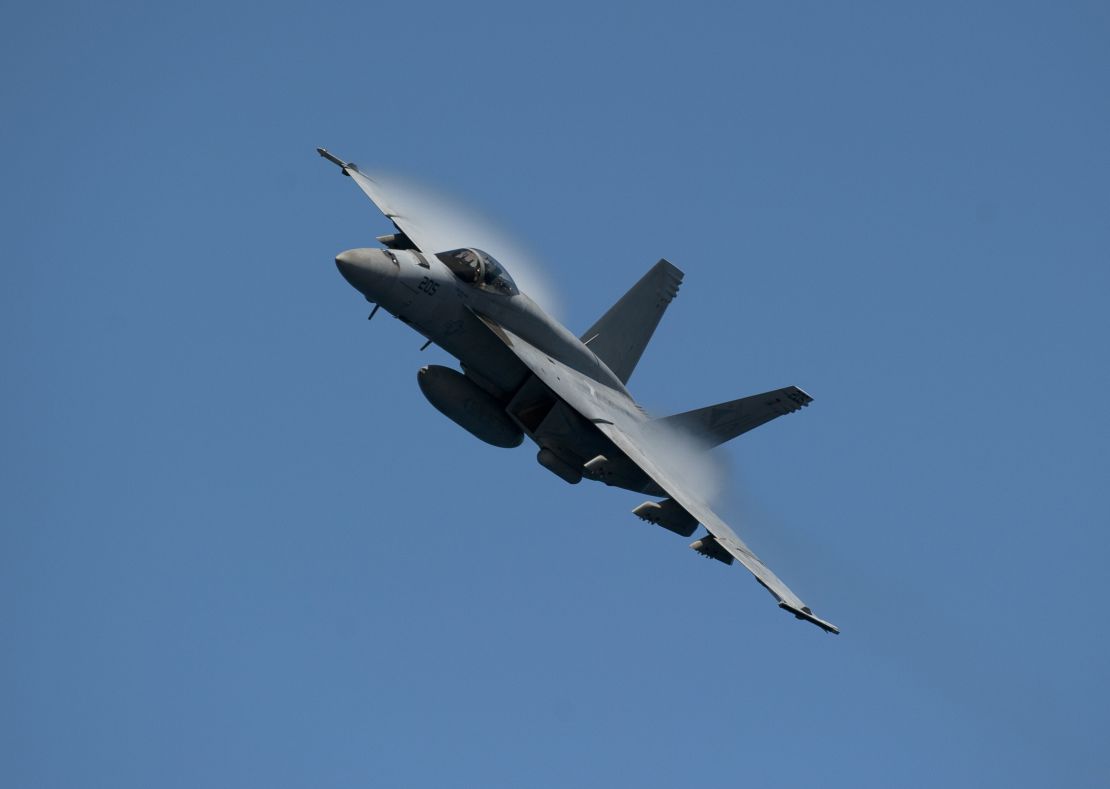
566,393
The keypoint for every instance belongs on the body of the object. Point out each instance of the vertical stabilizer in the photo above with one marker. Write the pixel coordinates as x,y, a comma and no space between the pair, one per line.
619,338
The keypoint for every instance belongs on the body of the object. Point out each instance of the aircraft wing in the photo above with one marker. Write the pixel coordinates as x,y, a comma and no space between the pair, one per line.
615,415
423,237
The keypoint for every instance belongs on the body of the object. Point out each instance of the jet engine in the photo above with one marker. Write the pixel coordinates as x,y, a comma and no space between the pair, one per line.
468,406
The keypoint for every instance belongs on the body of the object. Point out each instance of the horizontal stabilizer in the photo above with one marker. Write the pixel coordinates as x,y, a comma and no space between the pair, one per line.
723,422
622,334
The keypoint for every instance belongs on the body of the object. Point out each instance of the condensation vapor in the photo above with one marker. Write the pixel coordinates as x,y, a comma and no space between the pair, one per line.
688,459
457,224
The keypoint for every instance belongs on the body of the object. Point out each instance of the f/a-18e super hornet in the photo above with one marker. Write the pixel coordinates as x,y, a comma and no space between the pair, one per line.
524,374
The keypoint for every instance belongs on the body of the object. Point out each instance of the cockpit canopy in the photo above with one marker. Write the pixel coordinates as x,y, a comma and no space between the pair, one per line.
475,267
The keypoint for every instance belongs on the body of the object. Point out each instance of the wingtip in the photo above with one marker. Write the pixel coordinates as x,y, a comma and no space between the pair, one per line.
806,397
806,614
333,159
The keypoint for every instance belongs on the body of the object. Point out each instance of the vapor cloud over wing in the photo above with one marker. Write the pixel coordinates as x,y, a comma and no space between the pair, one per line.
452,223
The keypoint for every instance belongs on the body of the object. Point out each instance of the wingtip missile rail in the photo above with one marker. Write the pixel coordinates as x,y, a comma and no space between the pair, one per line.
806,614
344,166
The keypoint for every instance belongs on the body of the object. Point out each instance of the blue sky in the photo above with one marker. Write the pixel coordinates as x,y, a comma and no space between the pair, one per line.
237,547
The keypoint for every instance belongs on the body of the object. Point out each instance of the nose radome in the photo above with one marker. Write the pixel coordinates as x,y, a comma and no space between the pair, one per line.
370,271
353,259
347,259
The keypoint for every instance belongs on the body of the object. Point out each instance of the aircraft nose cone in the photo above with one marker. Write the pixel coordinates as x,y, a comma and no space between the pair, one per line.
370,271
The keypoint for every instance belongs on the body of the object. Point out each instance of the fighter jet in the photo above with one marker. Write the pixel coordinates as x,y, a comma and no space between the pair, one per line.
525,374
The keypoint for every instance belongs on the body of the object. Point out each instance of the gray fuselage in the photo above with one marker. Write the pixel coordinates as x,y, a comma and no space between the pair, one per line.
421,291
425,293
